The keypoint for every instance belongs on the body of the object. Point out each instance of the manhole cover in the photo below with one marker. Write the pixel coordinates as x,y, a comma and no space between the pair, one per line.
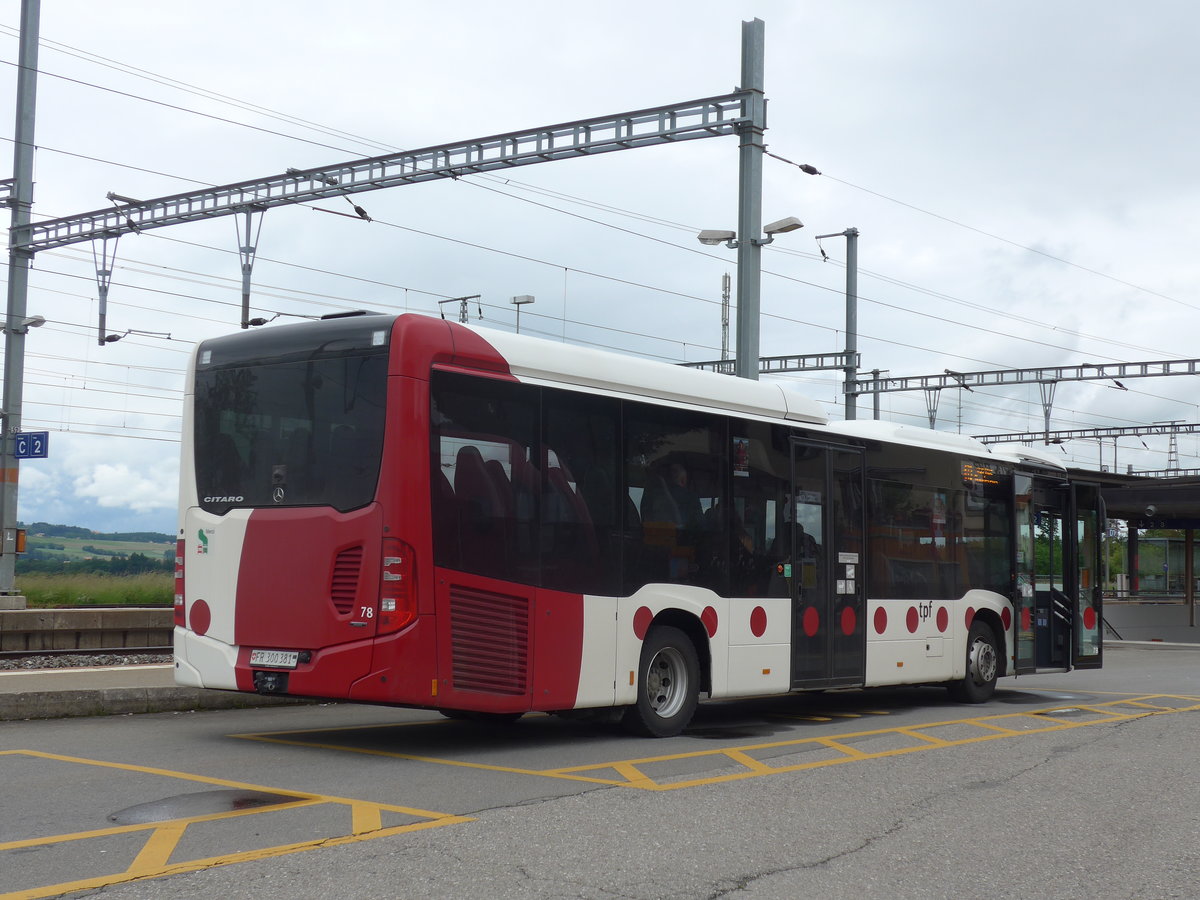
203,803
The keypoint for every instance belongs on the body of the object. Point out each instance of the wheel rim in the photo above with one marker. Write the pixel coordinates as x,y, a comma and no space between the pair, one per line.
982,662
666,682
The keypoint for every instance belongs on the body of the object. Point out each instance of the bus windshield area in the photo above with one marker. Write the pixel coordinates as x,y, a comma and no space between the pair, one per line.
290,433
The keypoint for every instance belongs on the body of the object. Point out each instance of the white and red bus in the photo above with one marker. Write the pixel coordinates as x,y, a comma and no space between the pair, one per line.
409,511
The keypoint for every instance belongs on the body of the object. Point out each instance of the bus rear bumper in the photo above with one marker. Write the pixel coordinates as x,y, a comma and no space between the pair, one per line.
203,662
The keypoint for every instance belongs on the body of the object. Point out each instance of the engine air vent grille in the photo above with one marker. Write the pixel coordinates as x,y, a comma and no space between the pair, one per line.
489,636
343,587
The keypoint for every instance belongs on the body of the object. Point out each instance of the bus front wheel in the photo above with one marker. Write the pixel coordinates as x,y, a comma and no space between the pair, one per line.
668,684
983,665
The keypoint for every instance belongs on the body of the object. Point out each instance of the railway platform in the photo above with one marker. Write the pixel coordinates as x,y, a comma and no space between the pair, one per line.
109,690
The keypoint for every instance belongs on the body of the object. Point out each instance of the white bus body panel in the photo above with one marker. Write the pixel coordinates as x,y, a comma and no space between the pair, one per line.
928,655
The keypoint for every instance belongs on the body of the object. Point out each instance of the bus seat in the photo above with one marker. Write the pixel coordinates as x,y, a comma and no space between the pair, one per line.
481,515
657,503
444,511
574,537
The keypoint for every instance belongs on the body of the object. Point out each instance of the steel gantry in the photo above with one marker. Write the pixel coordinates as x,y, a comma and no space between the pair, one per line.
1101,434
1058,437
1047,379
774,364
709,117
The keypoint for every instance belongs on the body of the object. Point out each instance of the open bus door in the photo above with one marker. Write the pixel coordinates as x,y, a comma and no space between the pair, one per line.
827,568
1087,649
1057,591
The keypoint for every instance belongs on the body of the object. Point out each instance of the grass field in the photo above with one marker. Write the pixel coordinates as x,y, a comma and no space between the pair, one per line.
69,591
72,549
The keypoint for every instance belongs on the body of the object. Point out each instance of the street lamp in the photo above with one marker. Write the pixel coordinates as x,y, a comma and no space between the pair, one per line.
22,326
519,301
712,237
749,248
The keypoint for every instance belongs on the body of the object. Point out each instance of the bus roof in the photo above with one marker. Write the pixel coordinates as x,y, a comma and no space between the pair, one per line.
945,440
551,362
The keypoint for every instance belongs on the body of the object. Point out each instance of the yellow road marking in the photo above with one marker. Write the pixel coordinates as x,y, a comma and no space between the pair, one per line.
366,817
158,849
162,838
631,772
842,748
912,732
741,756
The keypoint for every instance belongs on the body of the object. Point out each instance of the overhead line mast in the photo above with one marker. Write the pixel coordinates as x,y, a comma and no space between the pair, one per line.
17,324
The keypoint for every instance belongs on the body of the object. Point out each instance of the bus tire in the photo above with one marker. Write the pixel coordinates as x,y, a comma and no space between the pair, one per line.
668,687
983,665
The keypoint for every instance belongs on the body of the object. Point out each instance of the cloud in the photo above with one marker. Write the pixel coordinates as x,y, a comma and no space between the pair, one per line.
109,484
117,485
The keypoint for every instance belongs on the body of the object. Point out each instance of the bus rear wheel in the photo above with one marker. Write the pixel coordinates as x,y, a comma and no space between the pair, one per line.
983,665
668,684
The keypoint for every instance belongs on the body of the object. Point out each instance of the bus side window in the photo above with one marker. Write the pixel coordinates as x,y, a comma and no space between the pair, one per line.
675,466
579,530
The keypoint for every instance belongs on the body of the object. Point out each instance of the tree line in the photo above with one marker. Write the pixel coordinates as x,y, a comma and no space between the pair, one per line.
76,531
133,564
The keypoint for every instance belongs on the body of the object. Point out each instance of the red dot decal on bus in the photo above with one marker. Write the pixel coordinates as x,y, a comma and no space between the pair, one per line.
912,620
1089,618
1026,618
943,619
849,621
641,622
1006,618
709,618
758,621
880,620
970,615
812,621
201,617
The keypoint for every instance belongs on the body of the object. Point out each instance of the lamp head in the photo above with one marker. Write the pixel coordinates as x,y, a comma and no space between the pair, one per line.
711,237
783,226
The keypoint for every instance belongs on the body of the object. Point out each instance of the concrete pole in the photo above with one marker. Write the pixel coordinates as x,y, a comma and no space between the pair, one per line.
18,288
750,163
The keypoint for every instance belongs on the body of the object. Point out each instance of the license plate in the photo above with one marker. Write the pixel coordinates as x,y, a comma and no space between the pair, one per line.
279,659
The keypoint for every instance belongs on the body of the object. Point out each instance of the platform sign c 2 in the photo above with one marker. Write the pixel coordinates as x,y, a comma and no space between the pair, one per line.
31,444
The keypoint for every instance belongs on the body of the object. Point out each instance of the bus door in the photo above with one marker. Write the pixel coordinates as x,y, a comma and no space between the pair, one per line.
1087,647
826,572
1057,591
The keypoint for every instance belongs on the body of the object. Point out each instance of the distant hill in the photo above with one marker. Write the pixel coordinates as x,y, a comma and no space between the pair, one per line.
70,549
74,531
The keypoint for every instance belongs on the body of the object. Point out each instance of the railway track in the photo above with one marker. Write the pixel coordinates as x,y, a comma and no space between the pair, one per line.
81,656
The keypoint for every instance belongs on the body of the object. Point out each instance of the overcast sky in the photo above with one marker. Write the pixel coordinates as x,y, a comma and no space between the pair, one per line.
1022,175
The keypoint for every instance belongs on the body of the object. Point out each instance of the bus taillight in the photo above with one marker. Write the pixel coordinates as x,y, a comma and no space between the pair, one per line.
180,612
397,588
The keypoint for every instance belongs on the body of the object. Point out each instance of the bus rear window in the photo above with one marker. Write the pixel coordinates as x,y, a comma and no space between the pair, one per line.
294,433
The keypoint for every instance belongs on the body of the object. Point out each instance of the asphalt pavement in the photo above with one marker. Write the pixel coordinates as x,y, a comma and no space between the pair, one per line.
121,690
